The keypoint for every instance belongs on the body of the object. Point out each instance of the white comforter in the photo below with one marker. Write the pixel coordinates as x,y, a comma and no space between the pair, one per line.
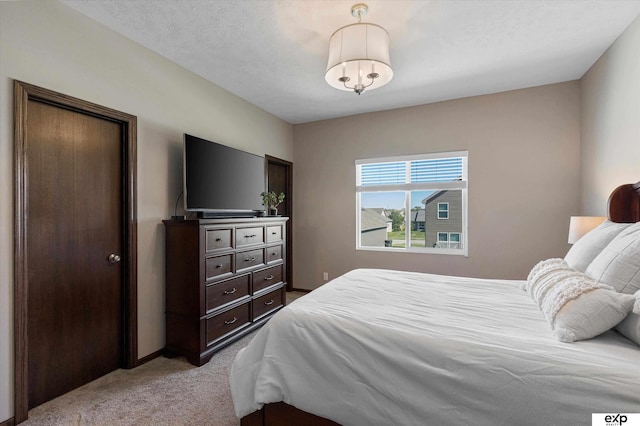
378,347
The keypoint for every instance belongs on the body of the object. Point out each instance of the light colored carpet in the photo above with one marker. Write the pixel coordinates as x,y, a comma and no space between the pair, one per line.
161,392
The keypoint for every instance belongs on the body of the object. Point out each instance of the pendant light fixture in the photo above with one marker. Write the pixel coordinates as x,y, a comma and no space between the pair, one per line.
359,55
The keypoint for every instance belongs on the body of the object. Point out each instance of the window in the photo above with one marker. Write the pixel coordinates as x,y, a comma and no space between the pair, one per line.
415,203
443,210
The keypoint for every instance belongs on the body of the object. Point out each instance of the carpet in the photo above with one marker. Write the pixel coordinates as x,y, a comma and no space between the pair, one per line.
161,392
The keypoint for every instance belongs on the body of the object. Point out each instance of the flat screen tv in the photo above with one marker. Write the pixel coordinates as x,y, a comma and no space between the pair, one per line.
220,180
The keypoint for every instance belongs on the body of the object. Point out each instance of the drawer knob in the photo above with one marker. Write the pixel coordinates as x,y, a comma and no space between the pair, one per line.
274,233
274,254
230,291
250,236
218,239
231,321
219,266
249,259
269,278
270,302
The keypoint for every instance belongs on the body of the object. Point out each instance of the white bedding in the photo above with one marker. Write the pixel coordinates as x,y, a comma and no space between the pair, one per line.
379,347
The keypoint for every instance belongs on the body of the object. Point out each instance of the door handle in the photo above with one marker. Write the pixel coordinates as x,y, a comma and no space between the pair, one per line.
113,258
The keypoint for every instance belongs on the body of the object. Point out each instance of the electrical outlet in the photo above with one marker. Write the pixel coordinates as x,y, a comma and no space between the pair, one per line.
325,276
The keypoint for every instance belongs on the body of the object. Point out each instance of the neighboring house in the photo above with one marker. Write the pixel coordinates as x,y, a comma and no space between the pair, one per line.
442,219
383,212
373,228
417,220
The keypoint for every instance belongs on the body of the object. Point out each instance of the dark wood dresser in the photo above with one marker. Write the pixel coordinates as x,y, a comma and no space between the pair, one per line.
224,278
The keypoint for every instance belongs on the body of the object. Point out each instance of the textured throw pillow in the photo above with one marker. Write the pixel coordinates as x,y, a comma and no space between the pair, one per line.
618,264
576,306
582,253
630,326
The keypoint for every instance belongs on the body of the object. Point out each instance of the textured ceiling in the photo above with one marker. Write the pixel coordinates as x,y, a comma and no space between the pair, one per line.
273,53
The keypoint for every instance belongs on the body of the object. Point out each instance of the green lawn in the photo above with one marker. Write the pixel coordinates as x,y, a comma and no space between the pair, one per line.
398,237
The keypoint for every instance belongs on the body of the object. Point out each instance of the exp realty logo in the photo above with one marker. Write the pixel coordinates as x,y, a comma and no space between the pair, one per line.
615,419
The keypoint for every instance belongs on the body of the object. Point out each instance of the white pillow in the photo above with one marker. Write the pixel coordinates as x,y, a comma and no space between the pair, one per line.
618,264
576,306
630,326
583,251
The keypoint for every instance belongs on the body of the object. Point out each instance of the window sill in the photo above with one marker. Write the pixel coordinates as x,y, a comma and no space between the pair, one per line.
449,252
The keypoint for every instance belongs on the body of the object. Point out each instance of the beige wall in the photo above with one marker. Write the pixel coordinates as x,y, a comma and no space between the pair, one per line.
48,44
524,158
610,111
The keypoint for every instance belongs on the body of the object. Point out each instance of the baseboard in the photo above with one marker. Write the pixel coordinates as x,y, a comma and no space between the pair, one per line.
8,422
303,290
145,359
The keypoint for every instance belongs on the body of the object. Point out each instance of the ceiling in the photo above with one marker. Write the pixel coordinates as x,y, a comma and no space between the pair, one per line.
273,53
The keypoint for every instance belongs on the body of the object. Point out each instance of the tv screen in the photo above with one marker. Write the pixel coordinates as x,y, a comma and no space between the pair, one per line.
218,178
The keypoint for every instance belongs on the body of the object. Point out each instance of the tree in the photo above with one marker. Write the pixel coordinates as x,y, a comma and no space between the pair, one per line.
396,220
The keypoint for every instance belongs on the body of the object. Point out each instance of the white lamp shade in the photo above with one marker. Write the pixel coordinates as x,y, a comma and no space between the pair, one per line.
355,51
580,225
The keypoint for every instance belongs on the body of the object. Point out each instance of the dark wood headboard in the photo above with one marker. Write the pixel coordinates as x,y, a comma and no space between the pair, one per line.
624,203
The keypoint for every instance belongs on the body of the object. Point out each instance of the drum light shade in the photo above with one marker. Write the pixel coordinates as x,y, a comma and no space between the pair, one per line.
359,58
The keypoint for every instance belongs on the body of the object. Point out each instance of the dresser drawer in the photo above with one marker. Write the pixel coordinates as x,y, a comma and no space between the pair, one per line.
266,277
274,253
274,233
218,266
249,236
217,239
224,292
268,302
249,259
221,324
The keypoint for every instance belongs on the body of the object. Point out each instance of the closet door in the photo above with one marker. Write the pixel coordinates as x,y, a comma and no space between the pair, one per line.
74,223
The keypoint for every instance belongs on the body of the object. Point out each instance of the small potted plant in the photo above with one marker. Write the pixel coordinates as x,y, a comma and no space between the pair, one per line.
271,201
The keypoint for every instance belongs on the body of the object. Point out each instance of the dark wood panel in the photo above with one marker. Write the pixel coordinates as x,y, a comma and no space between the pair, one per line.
75,222
24,96
218,239
267,277
279,414
274,233
228,291
226,322
280,179
219,266
249,236
624,203
274,254
199,302
268,302
249,259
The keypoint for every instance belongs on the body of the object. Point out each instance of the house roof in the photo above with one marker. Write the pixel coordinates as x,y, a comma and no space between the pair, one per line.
418,215
371,220
433,196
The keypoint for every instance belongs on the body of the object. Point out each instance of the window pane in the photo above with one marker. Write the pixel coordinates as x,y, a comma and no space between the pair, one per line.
436,170
382,219
418,217
383,173
451,227
398,192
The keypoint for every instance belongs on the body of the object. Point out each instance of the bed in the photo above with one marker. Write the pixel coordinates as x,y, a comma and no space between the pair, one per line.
380,347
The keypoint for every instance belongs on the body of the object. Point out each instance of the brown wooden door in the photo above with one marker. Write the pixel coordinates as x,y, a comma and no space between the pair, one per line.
75,222
280,179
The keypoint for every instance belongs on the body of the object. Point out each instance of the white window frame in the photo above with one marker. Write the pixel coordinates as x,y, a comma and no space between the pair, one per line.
438,211
461,185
